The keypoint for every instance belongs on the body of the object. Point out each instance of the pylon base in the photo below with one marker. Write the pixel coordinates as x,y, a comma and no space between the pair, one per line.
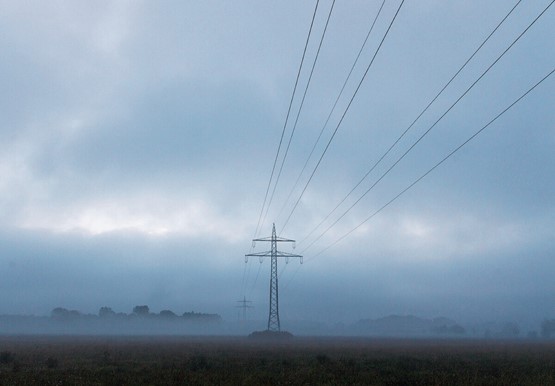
271,335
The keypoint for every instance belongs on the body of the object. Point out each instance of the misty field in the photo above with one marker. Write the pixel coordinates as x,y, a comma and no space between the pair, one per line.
70,360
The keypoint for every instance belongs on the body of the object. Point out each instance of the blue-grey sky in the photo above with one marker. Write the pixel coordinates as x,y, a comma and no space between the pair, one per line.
137,140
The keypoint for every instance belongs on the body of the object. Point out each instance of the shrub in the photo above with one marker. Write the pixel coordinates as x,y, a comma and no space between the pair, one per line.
51,363
6,357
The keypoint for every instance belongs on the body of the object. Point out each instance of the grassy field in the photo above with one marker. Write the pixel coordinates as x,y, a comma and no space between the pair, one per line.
71,360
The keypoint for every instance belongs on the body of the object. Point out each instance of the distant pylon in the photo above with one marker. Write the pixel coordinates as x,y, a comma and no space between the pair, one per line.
244,304
273,317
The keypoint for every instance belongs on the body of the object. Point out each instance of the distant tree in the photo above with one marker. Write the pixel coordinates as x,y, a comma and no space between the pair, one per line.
200,317
63,313
167,314
141,310
105,312
548,328
191,314
59,313
532,335
510,330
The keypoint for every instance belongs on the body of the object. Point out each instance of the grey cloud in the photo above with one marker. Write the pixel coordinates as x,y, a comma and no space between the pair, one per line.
140,140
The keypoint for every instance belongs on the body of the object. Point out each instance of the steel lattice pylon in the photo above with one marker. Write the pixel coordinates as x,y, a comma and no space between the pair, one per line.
244,304
273,253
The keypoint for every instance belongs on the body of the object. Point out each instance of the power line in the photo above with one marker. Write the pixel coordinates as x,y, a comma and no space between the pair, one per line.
258,225
299,112
256,278
282,270
244,304
430,128
436,165
343,116
412,124
243,279
332,110
292,277
286,119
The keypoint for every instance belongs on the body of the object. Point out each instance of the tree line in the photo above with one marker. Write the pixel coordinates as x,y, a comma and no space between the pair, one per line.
141,311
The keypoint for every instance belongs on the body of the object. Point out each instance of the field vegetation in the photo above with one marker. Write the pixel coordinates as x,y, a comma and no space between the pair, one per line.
82,360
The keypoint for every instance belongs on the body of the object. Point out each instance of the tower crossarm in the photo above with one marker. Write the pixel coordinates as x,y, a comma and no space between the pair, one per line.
262,255
277,239
269,254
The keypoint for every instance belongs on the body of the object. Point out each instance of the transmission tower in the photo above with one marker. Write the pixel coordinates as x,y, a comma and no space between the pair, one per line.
273,253
244,304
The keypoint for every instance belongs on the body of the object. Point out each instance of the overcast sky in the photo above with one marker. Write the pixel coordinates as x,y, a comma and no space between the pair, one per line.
138,137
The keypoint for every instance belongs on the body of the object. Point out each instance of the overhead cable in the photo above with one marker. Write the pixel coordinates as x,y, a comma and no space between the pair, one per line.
258,225
411,125
299,112
343,116
286,120
431,127
332,110
436,165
